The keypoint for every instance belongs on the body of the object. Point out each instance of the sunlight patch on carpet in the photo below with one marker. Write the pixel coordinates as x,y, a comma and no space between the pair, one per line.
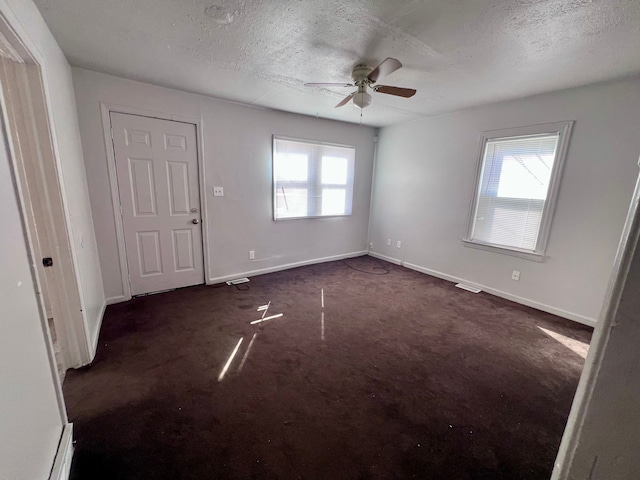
576,346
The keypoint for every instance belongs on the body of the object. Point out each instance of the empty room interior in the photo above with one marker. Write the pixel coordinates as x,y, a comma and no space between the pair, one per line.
320,240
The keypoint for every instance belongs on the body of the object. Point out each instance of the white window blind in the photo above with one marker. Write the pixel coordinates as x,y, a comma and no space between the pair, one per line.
311,179
515,187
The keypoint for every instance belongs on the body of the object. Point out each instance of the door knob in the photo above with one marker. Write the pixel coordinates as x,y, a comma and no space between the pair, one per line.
195,221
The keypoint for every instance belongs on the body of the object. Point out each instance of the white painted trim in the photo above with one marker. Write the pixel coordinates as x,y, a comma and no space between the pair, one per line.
591,322
14,33
115,200
385,258
563,129
287,266
376,139
62,461
105,109
116,299
536,257
96,334
78,351
204,211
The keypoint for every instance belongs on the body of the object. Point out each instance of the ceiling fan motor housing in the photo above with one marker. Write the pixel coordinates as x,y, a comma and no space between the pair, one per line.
360,73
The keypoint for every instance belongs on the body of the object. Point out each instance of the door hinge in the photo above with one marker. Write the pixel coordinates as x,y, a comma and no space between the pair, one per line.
121,214
111,130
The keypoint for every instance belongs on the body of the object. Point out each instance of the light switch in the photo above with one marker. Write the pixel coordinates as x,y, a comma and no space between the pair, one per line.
218,192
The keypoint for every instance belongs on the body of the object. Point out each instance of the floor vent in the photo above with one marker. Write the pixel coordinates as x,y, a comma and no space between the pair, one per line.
238,281
468,288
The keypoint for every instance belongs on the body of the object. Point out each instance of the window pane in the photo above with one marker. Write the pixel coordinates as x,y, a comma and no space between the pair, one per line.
516,174
334,170
333,201
525,176
511,222
291,202
291,167
302,170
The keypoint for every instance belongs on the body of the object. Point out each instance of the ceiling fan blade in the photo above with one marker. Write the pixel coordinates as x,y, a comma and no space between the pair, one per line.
329,85
346,99
386,67
397,91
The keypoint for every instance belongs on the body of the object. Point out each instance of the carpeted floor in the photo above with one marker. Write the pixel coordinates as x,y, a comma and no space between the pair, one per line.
398,376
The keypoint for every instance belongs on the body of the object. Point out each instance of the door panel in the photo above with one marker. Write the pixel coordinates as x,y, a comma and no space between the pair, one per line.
142,187
183,253
178,177
149,253
157,171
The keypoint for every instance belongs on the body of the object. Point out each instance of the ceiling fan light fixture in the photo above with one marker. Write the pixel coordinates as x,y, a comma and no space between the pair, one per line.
362,99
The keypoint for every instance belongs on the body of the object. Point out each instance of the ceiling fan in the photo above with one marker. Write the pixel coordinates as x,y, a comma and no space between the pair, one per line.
364,77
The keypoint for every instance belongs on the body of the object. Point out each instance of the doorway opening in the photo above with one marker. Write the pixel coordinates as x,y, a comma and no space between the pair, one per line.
26,115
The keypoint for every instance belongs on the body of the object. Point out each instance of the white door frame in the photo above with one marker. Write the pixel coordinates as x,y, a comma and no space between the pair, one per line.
35,157
31,94
106,109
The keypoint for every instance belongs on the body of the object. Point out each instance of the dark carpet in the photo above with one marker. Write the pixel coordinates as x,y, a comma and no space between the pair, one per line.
408,377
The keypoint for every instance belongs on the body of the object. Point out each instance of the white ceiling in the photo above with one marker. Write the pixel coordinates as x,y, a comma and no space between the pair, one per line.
456,53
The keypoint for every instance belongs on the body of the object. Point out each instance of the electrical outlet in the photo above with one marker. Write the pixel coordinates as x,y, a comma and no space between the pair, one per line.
398,244
515,275
388,242
370,245
218,192
252,254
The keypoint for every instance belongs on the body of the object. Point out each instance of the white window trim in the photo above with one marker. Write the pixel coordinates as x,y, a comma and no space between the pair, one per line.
563,129
350,188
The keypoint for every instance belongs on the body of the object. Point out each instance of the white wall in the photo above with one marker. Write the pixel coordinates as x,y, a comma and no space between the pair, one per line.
237,143
424,181
30,420
26,18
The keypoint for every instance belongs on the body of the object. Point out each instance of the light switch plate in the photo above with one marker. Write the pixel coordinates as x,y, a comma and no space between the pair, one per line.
218,192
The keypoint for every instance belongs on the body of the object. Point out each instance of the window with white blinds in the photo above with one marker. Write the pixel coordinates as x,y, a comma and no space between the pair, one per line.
311,179
516,188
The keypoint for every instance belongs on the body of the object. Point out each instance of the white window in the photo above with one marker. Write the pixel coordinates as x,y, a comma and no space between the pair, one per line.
516,188
311,179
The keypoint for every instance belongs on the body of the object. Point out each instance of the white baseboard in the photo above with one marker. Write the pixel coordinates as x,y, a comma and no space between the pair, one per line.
385,258
116,299
96,334
287,266
591,322
62,462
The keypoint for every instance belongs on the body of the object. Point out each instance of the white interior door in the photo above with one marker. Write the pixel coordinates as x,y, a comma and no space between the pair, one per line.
157,170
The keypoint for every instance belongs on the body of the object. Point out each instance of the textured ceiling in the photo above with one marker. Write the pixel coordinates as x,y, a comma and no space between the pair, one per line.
456,53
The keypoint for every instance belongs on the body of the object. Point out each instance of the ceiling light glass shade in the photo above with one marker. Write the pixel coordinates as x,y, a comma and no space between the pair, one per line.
362,99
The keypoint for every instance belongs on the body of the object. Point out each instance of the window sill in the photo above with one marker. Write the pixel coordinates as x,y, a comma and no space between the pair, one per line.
536,257
311,217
